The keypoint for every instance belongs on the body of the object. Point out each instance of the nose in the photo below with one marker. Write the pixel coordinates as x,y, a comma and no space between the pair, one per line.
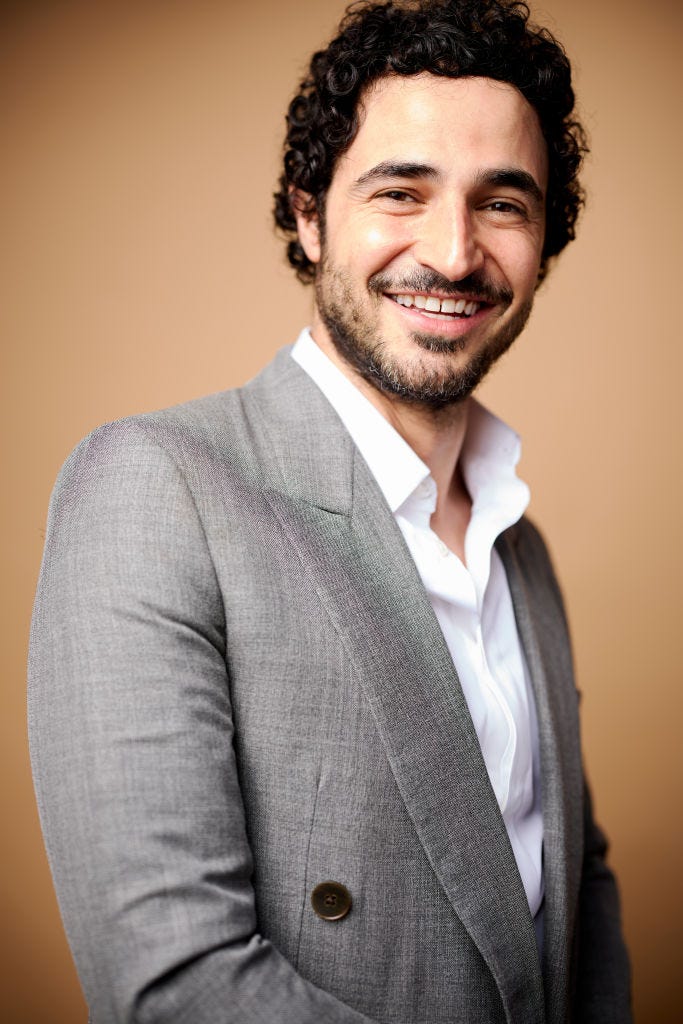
447,241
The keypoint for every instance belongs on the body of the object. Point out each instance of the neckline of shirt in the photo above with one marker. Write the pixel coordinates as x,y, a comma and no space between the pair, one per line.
490,453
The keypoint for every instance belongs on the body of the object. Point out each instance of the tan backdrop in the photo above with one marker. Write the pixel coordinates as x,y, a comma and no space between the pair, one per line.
140,146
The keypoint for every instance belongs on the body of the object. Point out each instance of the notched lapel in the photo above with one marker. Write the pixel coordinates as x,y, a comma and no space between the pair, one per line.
299,443
368,583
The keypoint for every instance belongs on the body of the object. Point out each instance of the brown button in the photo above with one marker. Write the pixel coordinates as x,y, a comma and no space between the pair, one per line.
331,901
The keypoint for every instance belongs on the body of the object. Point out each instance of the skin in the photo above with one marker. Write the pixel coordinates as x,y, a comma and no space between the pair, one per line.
441,193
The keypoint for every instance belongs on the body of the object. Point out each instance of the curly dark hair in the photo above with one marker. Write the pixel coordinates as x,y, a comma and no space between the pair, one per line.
454,38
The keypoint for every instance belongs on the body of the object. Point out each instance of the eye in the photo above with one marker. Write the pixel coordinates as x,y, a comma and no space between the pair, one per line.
505,207
396,195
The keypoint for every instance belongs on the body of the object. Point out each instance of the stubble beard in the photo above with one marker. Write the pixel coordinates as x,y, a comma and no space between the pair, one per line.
356,336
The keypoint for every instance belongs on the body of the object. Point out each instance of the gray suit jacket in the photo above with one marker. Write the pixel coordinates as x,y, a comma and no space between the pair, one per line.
238,689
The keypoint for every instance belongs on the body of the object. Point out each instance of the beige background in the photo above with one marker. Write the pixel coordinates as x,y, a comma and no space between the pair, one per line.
140,146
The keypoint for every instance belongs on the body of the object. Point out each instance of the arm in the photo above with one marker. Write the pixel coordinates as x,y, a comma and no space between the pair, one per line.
603,990
131,743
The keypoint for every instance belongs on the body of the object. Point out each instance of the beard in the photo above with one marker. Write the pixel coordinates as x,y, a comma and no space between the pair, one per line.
355,333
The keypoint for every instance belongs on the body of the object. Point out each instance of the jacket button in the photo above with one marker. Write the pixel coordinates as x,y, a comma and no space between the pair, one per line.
331,901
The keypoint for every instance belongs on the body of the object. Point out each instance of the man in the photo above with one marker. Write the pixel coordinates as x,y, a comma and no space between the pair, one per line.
304,728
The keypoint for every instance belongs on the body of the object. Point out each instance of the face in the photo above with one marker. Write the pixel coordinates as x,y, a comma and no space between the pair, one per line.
428,257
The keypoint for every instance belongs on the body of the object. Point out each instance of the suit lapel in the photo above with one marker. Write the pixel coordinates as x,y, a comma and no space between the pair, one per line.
542,628
346,537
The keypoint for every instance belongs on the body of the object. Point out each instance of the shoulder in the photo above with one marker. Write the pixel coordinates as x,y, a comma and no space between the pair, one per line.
119,460
153,437
225,427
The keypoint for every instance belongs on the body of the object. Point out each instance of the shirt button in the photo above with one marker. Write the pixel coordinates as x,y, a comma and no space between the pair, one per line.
331,901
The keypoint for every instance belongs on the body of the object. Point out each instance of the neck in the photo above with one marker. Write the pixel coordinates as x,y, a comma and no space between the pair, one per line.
436,435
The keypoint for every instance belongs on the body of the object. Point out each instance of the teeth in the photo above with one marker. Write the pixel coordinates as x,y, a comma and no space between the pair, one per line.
430,304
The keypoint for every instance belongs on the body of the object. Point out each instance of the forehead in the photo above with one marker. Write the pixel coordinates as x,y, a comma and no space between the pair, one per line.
455,124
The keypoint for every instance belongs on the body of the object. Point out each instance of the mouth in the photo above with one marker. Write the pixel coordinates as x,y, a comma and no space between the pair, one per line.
436,308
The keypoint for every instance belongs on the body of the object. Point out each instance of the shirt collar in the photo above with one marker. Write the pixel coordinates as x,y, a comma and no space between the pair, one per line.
490,453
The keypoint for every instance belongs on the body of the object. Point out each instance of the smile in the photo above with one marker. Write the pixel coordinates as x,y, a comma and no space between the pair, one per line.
442,308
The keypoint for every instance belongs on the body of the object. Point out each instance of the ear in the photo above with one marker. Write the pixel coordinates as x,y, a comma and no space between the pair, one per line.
307,223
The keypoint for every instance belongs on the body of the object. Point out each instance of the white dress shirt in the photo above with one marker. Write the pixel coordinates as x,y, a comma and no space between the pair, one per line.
471,601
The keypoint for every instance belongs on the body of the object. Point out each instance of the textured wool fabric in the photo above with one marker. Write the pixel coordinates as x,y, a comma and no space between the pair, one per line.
471,599
238,690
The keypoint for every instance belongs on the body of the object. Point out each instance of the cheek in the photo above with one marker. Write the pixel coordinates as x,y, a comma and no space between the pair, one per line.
367,242
519,258
380,244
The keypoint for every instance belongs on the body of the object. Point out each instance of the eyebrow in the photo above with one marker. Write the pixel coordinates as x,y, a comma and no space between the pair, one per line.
513,177
394,169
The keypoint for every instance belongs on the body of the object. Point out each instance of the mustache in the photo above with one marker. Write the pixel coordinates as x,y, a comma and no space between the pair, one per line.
422,279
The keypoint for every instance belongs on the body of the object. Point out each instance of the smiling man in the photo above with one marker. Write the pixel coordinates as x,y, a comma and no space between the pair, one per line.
303,721
445,219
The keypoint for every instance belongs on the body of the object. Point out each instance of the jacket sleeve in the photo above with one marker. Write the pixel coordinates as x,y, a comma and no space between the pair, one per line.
603,991
131,745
